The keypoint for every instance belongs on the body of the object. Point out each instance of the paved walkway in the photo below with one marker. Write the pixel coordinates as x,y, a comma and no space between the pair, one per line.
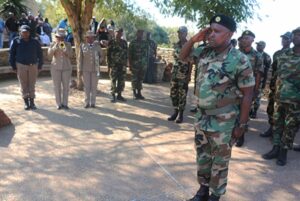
122,152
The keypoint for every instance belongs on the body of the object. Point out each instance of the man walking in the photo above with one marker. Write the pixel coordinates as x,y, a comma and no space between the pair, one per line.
26,59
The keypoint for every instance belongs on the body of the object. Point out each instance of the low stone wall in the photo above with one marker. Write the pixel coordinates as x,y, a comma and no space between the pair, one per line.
166,55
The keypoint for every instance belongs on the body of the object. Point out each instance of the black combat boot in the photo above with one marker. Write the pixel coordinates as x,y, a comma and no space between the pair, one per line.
134,94
174,115
281,160
240,141
26,106
273,153
139,95
213,197
32,105
268,133
120,97
180,117
113,99
201,195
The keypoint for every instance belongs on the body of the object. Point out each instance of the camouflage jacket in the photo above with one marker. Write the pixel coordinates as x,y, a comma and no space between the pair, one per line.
152,48
138,54
274,68
117,53
219,81
180,70
288,74
256,61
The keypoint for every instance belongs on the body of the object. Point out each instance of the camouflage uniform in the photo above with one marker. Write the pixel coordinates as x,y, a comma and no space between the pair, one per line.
117,60
150,72
267,63
179,80
287,104
256,61
138,55
270,108
219,80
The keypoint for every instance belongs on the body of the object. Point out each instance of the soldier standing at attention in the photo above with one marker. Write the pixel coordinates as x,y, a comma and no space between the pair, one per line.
181,75
90,59
286,40
138,60
260,47
117,60
256,61
61,70
150,76
26,59
225,92
287,103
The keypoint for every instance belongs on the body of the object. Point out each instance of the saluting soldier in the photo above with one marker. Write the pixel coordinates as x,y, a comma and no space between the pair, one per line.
286,40
117,56
181,74
61,69
225,88
256,61
26,59
138,60
287,102
90,59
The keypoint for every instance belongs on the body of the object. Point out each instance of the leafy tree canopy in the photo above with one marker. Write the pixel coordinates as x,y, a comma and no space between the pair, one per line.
202,11
17,7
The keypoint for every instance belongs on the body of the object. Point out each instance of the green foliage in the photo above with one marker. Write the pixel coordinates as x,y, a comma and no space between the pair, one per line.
202,10
14,6
52,10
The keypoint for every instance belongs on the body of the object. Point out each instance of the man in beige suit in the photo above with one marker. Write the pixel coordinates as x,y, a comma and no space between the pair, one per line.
90,59
61,70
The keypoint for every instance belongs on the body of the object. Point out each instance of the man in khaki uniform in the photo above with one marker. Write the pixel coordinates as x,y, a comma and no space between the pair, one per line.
26,59
61,70
90,59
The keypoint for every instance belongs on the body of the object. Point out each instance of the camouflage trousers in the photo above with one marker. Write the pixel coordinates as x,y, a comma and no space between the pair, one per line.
270,108
137,78
178,93
213,155
286,124
117,78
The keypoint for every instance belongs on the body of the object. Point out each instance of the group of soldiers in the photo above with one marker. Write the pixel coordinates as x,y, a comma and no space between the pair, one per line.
228,85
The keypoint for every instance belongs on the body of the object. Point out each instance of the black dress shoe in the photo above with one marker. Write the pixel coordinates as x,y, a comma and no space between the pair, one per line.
87,106
59,107
93,106
65,107
296,147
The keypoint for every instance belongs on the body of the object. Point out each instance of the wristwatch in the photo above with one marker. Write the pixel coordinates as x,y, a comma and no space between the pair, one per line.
243,125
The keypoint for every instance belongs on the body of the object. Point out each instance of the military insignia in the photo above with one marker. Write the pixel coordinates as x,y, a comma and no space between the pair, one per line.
218,19
247,32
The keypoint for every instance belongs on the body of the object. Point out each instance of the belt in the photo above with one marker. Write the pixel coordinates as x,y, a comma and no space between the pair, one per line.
216,111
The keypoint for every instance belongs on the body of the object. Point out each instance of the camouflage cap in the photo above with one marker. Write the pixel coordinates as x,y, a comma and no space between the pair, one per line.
262,43
287,35
248,33
296,30
225,21
182,29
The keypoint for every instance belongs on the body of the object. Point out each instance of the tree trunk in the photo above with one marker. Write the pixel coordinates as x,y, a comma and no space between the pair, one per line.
79,14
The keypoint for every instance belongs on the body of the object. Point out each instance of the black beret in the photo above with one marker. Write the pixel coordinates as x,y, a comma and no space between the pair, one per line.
248,33
225,21
296,30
